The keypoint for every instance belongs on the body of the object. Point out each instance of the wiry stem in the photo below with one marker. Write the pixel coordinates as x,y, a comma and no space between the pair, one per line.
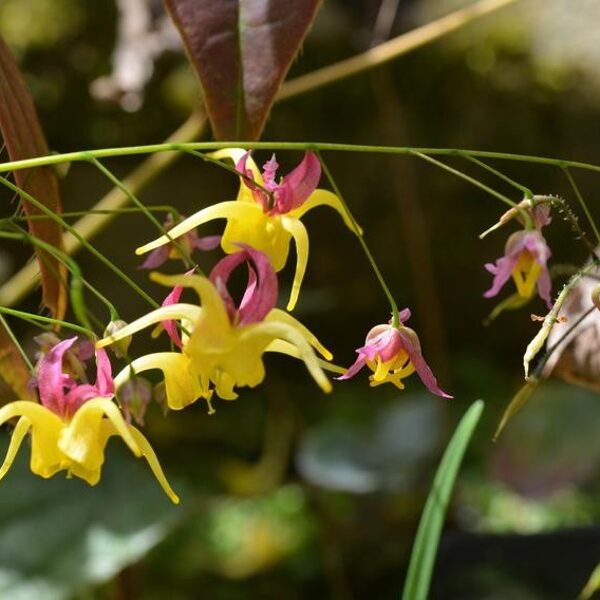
363,243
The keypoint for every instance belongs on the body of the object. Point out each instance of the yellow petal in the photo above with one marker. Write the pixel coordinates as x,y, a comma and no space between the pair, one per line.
283,347
164,313
260,230
16,439
223,210
326,198
213,321
91,469
267,331
224,384
150,456
298,232
278,315
46,458
83,439
182,388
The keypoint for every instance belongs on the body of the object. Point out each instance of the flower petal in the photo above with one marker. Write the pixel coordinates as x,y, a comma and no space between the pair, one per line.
283,347
81,440
165,313
50,376
182,387
223,210
299,183
412,346
294,335
16,439
355,367
156,258
215,320
207,242
152,460
326,198
278,315
260,297
298,232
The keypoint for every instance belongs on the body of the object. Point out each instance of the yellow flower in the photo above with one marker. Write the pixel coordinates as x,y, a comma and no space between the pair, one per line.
76,444
266,216
222,346
73,423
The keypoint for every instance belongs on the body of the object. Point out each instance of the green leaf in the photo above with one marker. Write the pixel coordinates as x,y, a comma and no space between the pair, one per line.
60,536
24,138
241,50
424,551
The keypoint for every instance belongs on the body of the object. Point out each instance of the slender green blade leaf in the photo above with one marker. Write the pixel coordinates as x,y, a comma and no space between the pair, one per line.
241,50
427,540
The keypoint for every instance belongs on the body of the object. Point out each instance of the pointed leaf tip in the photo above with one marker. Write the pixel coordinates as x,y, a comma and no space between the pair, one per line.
241,50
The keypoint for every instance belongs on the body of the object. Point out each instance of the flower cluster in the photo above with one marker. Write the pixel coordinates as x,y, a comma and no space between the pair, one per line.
217,343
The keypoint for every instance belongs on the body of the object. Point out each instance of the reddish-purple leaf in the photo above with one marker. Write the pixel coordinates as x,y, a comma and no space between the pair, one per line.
24,138
242,50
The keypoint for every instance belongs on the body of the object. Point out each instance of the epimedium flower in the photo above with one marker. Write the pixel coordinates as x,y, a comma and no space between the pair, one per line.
73,422
221,344
266,214
392,354
187,243
525,258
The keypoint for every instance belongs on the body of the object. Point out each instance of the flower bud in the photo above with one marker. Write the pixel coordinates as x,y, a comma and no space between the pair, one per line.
121,346
134,396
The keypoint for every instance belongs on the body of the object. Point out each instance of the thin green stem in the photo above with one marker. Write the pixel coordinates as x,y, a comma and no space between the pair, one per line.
139,204
48,320
77,300
57,219
583,203
363,243
83,213
477,183
219,163
536,344
525,190
84,156
14,340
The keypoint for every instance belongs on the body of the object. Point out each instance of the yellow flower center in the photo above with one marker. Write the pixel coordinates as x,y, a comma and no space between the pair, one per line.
526,273
391,371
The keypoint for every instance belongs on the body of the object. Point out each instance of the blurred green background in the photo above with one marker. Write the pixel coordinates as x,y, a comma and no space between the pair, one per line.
287,493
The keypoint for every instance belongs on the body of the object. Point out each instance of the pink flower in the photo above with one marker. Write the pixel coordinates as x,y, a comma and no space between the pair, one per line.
188,242
394,353
259,297
291,191
59,391
525,258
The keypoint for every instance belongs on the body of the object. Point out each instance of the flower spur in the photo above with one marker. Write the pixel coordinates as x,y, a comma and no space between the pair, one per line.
266,214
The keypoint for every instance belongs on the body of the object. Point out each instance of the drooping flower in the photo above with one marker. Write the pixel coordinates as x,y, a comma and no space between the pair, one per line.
394,353
525,258
187,243
267,213
73,422
222,343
